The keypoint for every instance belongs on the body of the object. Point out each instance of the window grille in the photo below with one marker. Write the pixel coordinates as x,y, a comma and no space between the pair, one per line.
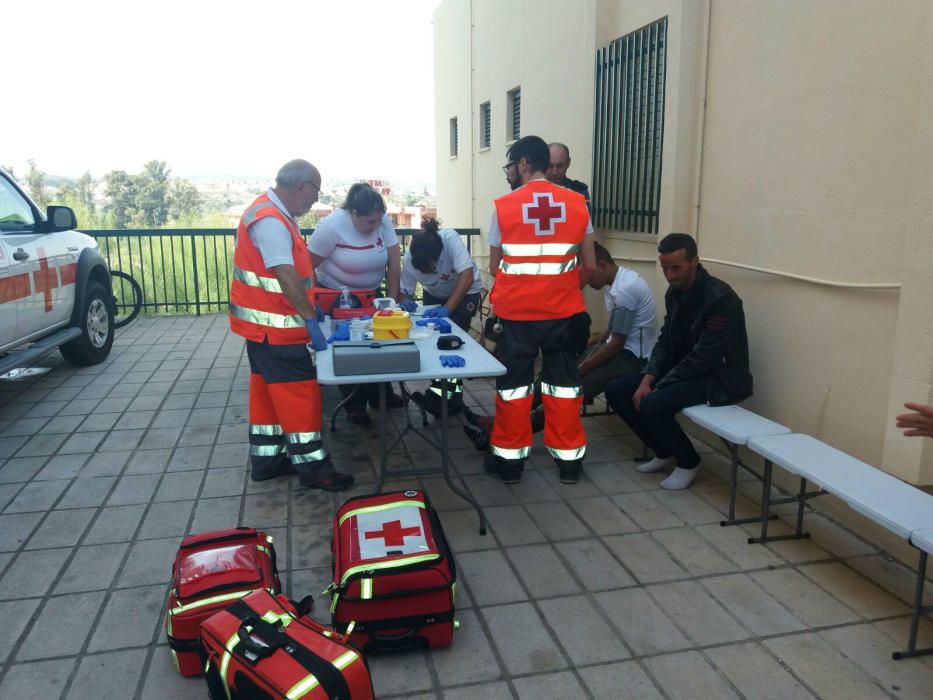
629,129
515,114
453,137
485,126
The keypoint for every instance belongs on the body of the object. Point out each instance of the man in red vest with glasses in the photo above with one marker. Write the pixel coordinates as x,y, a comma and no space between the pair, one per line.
538,235
272,306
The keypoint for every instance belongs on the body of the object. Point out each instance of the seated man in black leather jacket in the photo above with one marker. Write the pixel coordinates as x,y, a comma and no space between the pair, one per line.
701,356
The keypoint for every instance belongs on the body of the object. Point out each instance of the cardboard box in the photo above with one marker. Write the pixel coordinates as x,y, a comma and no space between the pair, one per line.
376,357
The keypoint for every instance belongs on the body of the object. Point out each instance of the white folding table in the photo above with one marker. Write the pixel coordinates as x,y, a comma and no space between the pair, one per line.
479,363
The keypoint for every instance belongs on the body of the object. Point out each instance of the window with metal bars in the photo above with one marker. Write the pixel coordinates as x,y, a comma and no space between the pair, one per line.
515,114
629,129
453,137
485,125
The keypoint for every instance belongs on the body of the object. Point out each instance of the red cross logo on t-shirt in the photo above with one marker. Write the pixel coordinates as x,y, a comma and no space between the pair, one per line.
544,213
445,277
393,533
45,278
379,242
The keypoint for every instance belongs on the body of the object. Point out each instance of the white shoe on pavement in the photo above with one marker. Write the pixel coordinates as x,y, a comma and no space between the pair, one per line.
679,479
655,465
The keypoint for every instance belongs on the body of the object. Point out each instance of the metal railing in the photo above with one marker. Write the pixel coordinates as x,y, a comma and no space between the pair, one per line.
185,271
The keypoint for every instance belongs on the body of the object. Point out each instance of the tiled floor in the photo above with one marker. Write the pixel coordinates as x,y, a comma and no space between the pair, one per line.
610,588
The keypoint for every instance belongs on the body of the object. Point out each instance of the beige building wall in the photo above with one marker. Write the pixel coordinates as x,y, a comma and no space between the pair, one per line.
813,156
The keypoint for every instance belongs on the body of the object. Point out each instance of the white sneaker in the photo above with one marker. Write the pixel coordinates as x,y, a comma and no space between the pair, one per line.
679,479
655,465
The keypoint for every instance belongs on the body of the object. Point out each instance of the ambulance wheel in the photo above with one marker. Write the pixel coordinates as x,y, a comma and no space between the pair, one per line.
97,327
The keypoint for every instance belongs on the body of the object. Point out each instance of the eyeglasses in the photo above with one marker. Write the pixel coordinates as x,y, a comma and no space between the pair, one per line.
508,166
311,182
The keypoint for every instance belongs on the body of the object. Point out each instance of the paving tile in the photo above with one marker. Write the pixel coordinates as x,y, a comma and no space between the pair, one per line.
542,571
45,444
550,686
892,576
688,675
179,485
107,676
82,442
310,546
647,511
20,469
87,492
166,519
215,514
106,464
754,608
835,539
92,568
8,493
619,681
602,515
15,614
98,422
160,438
148,461
42,679
489,491
487,691
231,455
62,626
733,542
489,578
827,672
697,614
524,644
594,565
62,528
582,631
149,562
611,478
265,509
469,659
854,590
37,496
171,418
643,625
557,521
164,681
129,619
189,458
32,573
15,529
513,526
117,524
399,673
644,558
693,552
224,482
137,488
462,530
62,466
756,673
804,598
198,435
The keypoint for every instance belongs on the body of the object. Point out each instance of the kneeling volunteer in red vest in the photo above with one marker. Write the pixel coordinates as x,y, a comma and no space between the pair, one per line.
272,306
535,237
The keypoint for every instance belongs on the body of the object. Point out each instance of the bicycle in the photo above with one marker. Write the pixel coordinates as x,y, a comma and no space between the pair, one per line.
119,298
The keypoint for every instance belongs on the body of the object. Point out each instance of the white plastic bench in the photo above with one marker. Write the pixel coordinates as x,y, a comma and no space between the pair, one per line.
885,499
735,426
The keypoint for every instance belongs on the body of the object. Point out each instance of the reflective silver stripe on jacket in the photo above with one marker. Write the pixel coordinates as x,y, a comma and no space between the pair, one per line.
269,430
267,318
269,284
529,249
298,438
561,392
544,268
316,456
520,392
507,453
567,455
266,450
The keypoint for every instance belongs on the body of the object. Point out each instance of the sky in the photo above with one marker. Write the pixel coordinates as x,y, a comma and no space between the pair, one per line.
220,88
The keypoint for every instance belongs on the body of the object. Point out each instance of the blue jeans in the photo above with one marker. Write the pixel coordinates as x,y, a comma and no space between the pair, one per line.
655,423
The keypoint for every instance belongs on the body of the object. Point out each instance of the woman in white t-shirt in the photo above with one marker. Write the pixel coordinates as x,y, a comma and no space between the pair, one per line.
356,247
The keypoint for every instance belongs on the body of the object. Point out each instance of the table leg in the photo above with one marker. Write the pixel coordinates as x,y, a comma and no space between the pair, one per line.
445,463
383,457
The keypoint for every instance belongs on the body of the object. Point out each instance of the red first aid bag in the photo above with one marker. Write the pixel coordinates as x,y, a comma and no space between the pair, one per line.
394,575
211,570
261,648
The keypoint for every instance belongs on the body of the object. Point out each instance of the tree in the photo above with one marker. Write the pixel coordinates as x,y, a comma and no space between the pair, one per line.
35,184
9,169
120,192
184,202
152,206
85,193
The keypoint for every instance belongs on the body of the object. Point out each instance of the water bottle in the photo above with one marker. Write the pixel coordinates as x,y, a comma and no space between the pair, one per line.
344,301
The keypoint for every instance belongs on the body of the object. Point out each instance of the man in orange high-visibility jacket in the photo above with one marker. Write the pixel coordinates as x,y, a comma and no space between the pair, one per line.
272,306
538,234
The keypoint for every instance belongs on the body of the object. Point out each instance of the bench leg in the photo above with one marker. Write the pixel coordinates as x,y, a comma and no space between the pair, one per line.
733,487
765,504
912,649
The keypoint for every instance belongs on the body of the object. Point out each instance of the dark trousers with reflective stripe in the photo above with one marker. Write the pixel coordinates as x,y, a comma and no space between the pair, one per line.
285,413
462,316
521,342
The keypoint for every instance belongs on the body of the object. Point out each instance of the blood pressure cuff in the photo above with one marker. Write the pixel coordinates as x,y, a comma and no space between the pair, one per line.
621,321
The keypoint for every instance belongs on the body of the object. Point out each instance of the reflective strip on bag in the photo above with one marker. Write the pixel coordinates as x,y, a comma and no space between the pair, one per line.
567,455
379,509
269,284
298,438
225,662
266,450
178,609
266,430
544,268
267,318
508,453
394,564
452,388
366,588
561,392
521,392
273,617
315,456
309,682
531,249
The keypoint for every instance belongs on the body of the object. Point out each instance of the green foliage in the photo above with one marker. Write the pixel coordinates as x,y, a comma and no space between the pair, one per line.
184,202
35,185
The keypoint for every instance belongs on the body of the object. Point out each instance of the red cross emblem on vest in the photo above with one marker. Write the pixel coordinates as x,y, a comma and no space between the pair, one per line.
393,533
45,279
544,212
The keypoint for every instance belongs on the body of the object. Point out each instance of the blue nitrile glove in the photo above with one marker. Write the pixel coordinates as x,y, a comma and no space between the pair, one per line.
341,332
424,322
409,305
320,312
441,325
437,312
317,337
452,361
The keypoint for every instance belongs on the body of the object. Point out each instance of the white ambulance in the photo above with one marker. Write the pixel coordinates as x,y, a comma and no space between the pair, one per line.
55,289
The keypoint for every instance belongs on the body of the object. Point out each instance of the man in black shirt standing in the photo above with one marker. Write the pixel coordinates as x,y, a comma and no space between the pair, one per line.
701,356
557,171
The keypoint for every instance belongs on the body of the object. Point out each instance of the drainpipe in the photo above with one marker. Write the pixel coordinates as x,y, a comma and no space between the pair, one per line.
701,126
472,149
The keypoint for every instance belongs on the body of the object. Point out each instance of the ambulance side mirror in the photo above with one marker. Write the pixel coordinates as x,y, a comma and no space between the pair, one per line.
61,219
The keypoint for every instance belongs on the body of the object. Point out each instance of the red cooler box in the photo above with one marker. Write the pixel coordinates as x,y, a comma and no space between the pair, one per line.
261,647
394,575
212,570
